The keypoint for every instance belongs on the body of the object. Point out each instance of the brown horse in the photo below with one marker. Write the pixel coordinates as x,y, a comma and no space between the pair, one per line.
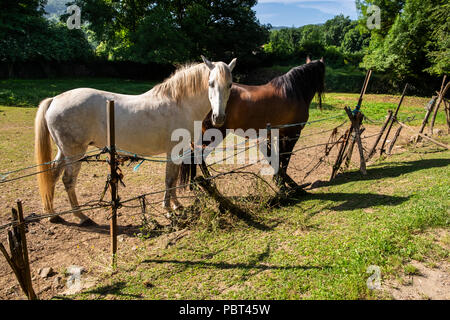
284,100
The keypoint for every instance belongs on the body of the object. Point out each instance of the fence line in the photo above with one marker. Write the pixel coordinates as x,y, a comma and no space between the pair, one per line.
103,204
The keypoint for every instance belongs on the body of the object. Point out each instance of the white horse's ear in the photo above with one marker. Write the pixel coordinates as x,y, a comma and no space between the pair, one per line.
322,60
232,64
308,59
208,63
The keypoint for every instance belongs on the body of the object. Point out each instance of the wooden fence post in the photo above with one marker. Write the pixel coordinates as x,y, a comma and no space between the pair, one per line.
350,150
18,261
380,134
111,140
394,140
340,156
438,103
356,124
430,107
447,114
23,240
394,118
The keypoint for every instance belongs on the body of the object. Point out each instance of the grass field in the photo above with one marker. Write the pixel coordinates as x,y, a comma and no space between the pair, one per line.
315,246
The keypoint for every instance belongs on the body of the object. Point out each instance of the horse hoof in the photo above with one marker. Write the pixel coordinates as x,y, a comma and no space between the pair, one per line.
56,219
88,223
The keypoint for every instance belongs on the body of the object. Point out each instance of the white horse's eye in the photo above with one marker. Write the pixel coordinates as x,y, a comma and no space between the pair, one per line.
211,84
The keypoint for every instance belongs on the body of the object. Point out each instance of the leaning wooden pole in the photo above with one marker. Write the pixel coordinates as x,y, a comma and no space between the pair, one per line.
394,119
430,107
19,261
447,115
23,240
356,124
442,94
394,140
380,134
111,139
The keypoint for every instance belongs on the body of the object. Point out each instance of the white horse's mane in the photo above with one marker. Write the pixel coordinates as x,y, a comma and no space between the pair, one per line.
188,80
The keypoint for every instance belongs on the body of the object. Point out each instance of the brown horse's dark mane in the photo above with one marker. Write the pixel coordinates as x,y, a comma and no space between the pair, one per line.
302,82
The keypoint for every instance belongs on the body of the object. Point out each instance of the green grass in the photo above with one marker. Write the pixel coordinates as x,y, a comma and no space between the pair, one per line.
28,93
317,247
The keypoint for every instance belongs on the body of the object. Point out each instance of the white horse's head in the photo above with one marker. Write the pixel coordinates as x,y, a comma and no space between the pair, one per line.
220,80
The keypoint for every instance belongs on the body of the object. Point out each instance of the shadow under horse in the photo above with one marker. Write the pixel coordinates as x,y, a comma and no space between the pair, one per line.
284,100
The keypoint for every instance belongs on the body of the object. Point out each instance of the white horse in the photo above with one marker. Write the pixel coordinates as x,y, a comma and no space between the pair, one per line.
144,123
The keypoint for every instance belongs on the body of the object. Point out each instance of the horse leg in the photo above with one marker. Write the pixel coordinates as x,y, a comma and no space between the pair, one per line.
172,172
282,178
287,179
70,179
56,170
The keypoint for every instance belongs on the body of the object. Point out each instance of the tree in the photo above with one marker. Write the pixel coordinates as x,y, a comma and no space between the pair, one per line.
416,42
26,35
174,30
390,9
335,30
438,46
355,39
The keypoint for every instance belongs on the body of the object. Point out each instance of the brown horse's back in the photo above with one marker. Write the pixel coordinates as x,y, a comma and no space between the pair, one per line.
253,107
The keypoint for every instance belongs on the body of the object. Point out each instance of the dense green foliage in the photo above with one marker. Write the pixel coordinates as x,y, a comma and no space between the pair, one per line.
174,30
414,38
411,46
340,41
26,35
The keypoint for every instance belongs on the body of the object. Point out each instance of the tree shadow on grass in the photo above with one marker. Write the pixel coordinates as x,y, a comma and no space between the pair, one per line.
225,265
256,263
350,200
347,201
389,170
114,289
129,230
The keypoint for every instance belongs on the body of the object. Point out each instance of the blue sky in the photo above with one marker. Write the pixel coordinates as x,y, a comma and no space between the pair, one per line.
300,12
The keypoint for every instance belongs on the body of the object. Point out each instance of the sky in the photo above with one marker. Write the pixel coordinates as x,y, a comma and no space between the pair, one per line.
301,12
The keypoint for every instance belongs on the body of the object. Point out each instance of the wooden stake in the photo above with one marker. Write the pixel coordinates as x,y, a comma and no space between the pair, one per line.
447,115
350,150
438,103
380,134
18,261
394,118
23,240
430,107
111,139
397,134
362,161
340,156
356,123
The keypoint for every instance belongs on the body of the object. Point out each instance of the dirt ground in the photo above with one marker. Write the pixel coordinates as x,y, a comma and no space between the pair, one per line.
61,245
428,284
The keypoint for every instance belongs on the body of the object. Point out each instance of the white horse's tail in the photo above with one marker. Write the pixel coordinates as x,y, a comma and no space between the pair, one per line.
43,155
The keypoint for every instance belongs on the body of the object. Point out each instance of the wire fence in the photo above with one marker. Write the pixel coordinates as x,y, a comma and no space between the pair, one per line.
94,156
